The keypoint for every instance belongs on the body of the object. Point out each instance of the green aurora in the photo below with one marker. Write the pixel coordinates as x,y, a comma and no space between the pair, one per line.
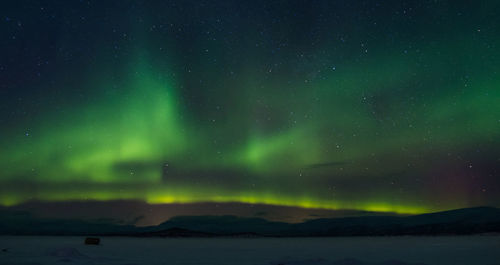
311,111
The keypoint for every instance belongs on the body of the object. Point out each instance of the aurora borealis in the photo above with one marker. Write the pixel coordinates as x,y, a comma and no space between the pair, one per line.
390,106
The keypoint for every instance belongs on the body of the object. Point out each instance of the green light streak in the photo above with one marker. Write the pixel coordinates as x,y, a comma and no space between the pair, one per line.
366,123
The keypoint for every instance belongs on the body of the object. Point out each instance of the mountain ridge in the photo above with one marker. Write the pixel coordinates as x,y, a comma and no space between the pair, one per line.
465,221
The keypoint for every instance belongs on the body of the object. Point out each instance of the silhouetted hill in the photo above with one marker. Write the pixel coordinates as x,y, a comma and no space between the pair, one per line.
175,232
224,225
455,222
23,223
461,221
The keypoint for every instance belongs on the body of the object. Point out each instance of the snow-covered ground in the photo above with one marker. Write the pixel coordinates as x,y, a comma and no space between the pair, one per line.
474,250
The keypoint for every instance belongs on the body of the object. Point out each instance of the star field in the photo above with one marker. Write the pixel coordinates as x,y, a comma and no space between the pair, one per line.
388,106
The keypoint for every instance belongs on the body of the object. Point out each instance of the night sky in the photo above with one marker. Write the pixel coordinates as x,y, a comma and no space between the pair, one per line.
385,106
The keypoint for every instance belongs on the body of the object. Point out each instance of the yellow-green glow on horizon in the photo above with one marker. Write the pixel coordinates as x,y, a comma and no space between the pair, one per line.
393,116
189,195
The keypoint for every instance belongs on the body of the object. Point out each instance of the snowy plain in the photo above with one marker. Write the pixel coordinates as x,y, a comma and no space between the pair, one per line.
460,250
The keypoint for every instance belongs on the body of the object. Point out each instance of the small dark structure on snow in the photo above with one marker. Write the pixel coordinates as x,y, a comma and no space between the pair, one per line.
92,241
